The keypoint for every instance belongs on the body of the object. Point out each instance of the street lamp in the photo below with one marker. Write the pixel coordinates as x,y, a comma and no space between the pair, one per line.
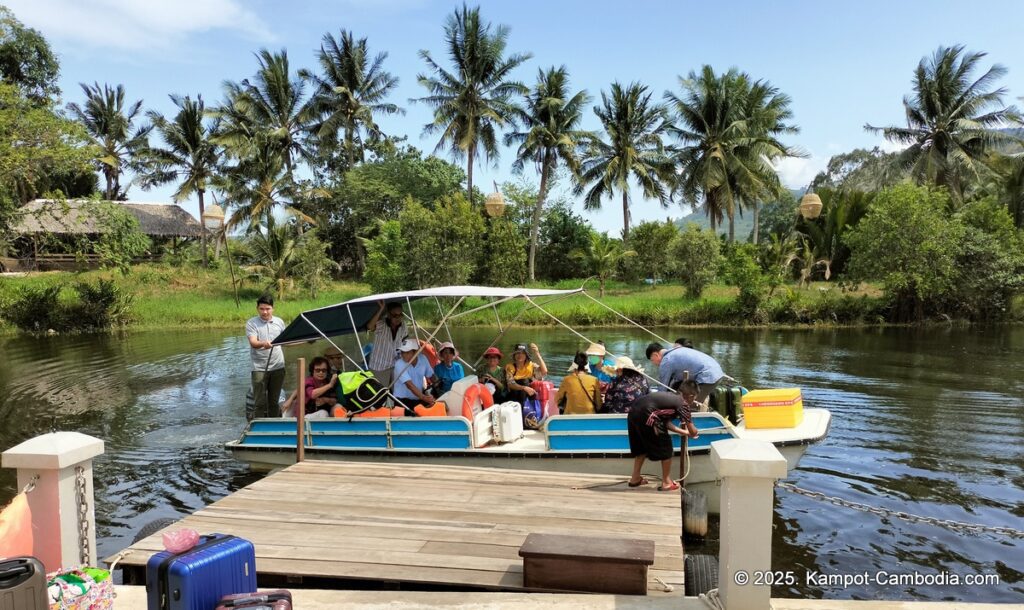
213,221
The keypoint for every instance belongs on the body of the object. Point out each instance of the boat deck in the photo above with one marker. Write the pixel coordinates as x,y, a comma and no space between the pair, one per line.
338,524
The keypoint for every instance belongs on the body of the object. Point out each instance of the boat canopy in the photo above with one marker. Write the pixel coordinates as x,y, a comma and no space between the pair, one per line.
353,315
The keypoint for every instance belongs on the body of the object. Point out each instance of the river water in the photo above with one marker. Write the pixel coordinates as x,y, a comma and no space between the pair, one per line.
930,422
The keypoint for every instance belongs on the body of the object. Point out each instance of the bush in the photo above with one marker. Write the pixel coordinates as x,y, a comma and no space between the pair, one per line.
385,271
503,254
94,307
696,257
651,241
742,270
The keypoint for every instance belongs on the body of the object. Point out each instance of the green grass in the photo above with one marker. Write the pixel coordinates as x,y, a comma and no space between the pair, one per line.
167,296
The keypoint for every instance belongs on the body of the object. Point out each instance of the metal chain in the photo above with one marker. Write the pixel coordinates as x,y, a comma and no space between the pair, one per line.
83,516
956,526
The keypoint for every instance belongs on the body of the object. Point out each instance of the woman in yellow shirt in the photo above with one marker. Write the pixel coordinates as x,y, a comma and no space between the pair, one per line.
581,392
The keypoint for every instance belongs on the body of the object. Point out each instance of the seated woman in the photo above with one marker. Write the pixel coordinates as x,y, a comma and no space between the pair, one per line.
491,372
580,391
321,388
447,370
522,371
628,385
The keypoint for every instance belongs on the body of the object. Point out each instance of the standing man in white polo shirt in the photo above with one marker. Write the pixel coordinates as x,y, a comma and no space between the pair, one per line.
267,360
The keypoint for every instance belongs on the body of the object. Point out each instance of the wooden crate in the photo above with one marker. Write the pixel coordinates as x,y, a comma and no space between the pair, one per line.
578,563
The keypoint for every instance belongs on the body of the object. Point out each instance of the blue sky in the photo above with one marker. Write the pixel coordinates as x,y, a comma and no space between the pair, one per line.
844,64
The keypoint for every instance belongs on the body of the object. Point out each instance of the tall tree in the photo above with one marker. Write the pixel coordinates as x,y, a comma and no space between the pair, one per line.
257,184
350,91
552,136
634,127
112,129
26,59
271,110
728,128
952,119
477,98
602,256
190,157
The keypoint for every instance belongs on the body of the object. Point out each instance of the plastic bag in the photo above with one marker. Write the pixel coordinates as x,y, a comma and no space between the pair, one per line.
181,540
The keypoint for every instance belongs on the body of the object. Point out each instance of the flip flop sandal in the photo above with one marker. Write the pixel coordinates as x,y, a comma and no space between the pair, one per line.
674,487
642,481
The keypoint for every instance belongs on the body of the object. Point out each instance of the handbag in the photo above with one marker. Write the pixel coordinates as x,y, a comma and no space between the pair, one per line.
80,589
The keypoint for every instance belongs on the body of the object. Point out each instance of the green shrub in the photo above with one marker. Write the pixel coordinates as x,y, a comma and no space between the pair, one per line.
93,307
696,257
742,270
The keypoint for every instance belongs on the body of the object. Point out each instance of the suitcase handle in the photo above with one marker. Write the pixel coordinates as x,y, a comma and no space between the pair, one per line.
15,575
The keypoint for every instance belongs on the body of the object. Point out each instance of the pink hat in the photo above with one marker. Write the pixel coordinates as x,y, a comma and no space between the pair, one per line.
447,345
492,351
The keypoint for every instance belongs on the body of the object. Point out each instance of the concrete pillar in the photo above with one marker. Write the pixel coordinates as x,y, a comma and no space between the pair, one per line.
55,458
748,469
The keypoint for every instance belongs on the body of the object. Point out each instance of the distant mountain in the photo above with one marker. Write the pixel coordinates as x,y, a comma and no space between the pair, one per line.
744,223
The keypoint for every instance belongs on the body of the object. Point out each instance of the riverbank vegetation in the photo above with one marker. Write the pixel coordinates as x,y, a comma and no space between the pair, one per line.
322,205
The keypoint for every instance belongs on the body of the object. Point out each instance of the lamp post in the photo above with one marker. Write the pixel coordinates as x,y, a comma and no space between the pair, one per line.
213,220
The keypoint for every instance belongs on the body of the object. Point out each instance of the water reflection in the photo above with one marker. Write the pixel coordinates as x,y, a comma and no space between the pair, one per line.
924,421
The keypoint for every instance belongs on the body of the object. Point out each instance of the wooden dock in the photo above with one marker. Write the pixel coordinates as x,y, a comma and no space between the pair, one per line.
456,528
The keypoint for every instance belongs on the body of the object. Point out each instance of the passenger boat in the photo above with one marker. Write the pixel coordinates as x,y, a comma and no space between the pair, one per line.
563,443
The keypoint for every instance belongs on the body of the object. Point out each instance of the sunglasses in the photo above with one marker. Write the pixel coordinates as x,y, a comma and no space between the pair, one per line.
319,370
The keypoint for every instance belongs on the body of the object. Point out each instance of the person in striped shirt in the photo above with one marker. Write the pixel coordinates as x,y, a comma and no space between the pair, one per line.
388,334
650,420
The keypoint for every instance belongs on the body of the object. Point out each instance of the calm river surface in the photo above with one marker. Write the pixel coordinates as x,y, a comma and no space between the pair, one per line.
925,421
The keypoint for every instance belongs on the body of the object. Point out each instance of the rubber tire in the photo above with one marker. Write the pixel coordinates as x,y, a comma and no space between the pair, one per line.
695,520
153,527
700,573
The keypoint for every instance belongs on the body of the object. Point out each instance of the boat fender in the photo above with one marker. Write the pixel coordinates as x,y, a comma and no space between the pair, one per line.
469,400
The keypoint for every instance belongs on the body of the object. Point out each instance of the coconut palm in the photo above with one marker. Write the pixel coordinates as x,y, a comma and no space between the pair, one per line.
952,119
602,256
271,110
551,136
634,127
190,157
257,185
728,128
275,251
477,98
111,127
350,91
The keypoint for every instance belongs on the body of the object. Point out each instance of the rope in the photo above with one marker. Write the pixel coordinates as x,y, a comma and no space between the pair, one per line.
711,600
636,324
574,331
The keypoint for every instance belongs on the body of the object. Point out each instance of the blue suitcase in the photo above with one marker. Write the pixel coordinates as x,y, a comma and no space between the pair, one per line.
196,579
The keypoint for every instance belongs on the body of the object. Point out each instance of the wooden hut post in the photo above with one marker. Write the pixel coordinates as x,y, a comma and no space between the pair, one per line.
300,415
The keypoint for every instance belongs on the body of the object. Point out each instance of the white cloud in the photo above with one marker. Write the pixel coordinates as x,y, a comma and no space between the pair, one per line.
135,25
891,147
796,172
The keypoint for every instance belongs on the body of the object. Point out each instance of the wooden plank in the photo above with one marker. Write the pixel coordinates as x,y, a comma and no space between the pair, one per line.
438,525
588,548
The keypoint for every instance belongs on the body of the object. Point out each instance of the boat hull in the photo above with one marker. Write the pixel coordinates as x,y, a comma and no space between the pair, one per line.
569,444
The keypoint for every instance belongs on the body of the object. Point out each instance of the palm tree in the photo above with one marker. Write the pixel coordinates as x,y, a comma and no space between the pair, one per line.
259,183
552,135
602,256
634,127
728,126
271,111
190,156
952,119
349,93
111,127
478,96
275,254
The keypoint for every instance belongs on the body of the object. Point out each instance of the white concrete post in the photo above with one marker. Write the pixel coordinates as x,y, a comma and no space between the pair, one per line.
55,459
748,469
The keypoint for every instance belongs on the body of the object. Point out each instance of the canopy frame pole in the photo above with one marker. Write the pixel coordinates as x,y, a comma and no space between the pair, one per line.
430,338
573,331
446,329
359,342
343,352
412,316
497,316
512,321
636,324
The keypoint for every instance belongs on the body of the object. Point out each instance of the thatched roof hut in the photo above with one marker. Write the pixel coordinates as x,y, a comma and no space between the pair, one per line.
74,217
